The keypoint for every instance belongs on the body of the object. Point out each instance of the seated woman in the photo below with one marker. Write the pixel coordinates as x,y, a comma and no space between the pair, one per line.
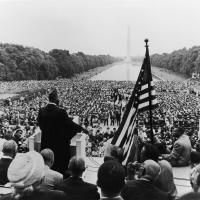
26,173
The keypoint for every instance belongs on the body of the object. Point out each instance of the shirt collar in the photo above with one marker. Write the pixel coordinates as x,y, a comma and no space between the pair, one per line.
3,156
52,103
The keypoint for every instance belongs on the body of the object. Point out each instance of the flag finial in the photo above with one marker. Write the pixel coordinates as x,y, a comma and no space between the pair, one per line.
146,41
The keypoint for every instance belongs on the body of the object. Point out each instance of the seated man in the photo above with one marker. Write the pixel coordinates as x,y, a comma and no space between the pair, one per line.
51,177
144,188
180,155
74,187
9,152
111,180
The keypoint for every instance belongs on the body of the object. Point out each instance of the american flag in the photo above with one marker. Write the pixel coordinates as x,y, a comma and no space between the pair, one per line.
143,98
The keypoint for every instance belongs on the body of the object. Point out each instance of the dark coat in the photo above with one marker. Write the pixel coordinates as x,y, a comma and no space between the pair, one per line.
142,190
57,131
37,194
76,189
4,164
114,198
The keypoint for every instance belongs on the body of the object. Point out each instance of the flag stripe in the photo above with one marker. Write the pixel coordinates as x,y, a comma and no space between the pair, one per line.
128,131
147,90
126,125
145,95
146,85
148,99
147,103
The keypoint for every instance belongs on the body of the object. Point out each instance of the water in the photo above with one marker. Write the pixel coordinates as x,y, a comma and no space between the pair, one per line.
120,72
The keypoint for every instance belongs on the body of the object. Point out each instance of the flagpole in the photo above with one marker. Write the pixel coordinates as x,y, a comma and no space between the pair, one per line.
149,84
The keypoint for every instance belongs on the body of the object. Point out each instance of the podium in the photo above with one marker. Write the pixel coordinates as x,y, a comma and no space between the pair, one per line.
77,146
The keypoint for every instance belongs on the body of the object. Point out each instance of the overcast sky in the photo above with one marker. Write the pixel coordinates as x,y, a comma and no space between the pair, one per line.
100,26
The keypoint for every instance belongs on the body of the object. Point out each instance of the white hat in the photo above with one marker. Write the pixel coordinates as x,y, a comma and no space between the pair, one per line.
26,169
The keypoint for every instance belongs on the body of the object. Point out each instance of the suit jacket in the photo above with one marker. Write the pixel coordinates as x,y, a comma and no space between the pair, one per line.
76,189
57,131
142,190
114,198
37,194
51,178
180,155
4,164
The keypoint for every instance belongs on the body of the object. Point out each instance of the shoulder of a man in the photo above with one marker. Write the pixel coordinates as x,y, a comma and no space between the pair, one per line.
165,164
56,175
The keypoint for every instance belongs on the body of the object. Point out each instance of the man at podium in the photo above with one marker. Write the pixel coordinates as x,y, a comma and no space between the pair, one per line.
57,131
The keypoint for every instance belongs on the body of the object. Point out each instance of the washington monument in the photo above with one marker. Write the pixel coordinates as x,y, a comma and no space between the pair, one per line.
128,58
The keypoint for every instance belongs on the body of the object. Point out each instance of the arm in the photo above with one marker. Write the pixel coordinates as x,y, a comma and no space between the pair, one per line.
175,154
176,151
39,119
71,127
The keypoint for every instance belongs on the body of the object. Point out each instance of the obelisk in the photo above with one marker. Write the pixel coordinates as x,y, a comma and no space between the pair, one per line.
128,59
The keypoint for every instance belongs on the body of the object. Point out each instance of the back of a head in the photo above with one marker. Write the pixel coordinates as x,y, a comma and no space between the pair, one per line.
195,157
111,178
151,152
53,97
48,156
10,148
152,169
178,131
117,153
76,166
190,196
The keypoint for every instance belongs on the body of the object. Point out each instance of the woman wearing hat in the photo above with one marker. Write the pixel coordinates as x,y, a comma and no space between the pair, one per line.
26,173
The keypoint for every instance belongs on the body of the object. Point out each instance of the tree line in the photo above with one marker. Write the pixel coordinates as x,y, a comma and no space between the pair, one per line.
185,61
26,63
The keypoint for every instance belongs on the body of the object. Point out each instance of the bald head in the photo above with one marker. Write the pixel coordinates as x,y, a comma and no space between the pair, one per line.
10,148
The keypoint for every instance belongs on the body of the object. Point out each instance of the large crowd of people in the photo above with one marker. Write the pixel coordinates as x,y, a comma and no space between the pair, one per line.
99,106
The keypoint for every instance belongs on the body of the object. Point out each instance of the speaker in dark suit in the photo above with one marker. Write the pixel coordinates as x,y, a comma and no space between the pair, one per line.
57,131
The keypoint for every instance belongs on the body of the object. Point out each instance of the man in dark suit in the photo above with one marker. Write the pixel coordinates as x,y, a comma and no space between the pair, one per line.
74,187
57,132
9,152
111,180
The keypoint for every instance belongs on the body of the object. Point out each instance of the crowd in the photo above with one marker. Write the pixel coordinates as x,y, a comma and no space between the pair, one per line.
99,106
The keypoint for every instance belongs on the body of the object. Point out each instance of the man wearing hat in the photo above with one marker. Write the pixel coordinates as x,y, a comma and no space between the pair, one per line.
57,131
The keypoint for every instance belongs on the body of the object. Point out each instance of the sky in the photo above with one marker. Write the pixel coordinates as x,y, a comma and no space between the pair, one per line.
100,26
